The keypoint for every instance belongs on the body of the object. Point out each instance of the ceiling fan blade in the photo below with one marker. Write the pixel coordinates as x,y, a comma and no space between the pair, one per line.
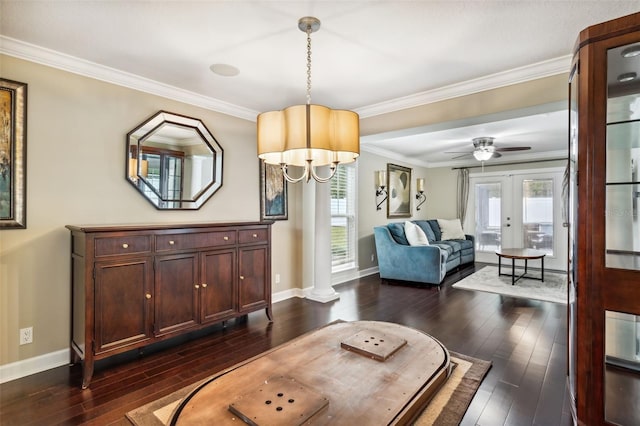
458,152
513,148
461,156
496,154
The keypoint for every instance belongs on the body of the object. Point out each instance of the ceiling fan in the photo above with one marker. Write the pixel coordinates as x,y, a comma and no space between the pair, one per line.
483,149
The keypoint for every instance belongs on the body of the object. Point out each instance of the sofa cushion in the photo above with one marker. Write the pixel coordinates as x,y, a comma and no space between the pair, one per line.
415,235
451,229
424,225
444,246
465,244
397,232
455,244
433,223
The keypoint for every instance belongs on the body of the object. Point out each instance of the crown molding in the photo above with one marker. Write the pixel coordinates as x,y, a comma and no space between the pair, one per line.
390,155
30,52
523,74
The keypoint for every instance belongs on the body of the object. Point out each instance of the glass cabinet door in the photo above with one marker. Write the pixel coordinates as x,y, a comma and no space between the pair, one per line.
570,197
622,230
623,158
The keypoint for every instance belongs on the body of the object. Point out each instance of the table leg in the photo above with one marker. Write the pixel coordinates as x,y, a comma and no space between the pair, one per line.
542,269
513,271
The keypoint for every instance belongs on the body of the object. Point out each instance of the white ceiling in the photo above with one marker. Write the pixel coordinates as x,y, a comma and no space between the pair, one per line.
370,56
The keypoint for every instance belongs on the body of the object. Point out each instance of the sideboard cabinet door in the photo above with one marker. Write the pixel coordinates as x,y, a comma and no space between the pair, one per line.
218,294
253,273
123,309
176,286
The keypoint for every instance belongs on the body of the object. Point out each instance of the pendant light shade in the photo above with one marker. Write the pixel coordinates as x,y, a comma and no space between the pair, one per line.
308,136
303,133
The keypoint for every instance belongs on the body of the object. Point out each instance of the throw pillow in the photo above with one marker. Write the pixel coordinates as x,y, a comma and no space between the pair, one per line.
428,231
451,229
415,235
397,232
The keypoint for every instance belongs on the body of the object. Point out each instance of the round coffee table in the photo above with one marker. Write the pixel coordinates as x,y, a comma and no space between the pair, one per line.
520,253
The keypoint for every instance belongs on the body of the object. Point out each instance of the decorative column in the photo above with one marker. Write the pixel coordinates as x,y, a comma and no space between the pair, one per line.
317,242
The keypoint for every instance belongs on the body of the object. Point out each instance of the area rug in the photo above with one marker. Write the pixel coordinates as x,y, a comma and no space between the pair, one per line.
446,408
553,289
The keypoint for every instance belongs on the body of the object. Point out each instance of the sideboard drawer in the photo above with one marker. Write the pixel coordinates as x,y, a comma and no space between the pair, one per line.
127,244
247,236
195,240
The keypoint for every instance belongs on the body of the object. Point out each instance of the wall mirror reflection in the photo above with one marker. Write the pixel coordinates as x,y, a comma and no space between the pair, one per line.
174,161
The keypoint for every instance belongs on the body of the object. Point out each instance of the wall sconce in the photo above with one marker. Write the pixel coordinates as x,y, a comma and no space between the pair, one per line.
133,169
381,184
420,193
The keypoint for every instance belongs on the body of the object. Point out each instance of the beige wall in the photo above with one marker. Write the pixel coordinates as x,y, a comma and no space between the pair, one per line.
76,129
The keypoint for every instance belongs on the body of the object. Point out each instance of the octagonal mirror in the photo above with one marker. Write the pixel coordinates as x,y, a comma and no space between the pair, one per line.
174,161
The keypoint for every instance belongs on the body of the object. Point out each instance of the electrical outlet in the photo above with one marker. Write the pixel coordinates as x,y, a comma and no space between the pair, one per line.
277,278
26,335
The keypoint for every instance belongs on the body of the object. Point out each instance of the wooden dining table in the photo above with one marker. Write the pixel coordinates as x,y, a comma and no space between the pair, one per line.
348,373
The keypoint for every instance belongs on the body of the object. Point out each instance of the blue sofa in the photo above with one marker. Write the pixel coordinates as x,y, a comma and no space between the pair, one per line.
397,260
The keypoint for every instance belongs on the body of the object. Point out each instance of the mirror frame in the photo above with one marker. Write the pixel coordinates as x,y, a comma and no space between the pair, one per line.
134,174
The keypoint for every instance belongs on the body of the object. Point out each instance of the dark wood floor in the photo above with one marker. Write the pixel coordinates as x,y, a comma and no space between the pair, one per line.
525,340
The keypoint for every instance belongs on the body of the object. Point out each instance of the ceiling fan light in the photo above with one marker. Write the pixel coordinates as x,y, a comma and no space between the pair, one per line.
482,155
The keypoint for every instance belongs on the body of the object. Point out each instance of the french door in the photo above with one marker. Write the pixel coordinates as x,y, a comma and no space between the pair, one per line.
517,209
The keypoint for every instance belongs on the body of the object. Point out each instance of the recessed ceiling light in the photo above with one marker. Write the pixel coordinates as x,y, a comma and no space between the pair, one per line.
628,76
631,51
224,70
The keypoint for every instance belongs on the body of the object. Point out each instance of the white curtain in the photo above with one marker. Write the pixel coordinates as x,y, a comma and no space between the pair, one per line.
463,193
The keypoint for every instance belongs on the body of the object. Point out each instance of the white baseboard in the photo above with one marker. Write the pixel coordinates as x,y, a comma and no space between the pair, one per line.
27,367
286,294
367,272
37,364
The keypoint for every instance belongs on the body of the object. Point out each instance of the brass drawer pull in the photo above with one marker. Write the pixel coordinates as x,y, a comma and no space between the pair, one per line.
242,277
125,245
255,235
196,286
204,285
171,242
148,296
226,238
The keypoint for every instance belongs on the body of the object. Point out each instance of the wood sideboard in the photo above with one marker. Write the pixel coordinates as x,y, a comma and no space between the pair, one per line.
134,285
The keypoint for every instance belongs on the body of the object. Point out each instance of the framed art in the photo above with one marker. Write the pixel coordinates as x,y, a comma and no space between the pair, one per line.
273,193
399,190
13,154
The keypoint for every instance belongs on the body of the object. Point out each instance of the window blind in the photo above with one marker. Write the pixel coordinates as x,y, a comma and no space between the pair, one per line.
343,218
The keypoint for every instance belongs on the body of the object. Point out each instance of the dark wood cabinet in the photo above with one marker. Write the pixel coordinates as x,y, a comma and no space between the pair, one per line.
176,294
136,285
252,262
218,295
604,225
122,313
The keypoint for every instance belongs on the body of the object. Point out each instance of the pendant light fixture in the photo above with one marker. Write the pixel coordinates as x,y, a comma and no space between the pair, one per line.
308,136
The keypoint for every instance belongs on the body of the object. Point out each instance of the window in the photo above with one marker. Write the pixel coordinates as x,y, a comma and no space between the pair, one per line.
343,218
537,214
